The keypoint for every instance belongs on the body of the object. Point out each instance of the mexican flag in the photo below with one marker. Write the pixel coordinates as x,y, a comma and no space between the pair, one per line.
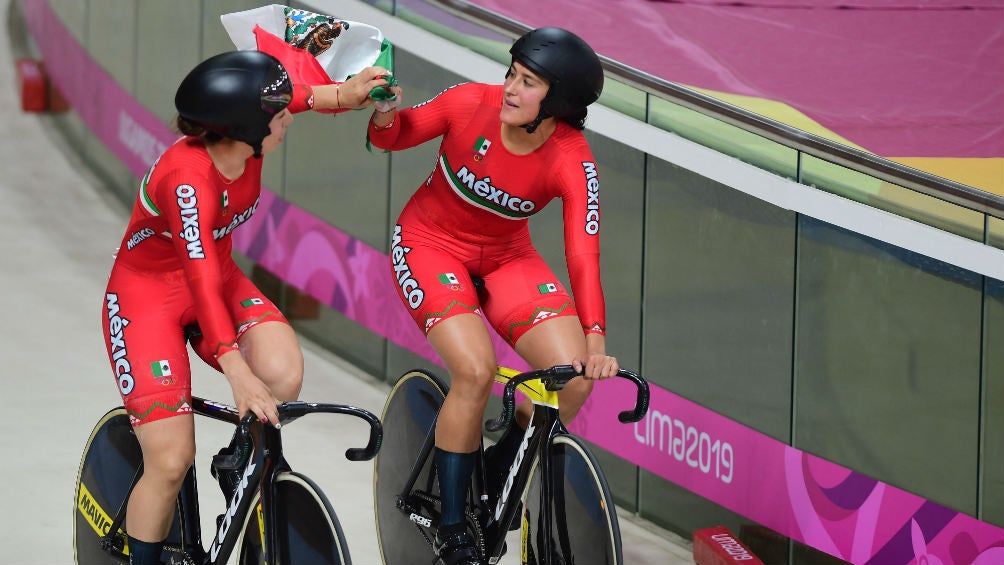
448,278
547,288
482,145
161,368
252,302
315,49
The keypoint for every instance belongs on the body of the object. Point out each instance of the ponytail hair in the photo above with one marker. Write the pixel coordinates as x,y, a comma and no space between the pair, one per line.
190,128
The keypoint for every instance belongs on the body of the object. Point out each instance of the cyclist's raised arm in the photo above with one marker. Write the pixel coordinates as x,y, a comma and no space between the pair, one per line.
401,129
351,94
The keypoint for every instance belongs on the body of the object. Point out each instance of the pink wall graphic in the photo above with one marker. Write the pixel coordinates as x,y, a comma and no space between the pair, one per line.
817,502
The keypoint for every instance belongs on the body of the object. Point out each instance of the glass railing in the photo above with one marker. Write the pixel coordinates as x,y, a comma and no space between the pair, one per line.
771,145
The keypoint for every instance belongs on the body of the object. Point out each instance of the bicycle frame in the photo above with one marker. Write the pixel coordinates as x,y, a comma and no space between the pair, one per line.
541,387
544,425
265,462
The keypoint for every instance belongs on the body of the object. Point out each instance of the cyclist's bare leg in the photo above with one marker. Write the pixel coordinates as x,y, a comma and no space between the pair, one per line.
272,351
463,342
168,451
556,341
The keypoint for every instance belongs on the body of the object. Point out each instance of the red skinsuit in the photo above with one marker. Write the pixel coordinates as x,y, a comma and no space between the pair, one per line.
470,218
174,268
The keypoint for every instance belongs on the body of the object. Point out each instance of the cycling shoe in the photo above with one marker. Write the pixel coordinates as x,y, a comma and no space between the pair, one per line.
456,549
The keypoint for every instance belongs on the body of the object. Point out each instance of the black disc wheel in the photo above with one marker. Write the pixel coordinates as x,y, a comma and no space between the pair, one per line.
404,527
111,462
584,528
308,528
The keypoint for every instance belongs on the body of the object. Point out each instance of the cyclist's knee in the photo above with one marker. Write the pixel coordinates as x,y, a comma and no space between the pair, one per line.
473,380
282,371
168,446
168,465
272,350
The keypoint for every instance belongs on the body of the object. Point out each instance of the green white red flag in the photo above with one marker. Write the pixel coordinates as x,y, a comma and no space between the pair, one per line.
315,49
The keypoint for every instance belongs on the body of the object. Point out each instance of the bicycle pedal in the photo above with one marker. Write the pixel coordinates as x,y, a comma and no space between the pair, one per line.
180,559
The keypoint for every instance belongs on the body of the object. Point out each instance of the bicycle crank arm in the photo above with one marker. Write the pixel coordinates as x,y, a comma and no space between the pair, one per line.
415,513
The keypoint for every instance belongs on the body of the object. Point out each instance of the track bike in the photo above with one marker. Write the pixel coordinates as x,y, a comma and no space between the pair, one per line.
569,515
273,514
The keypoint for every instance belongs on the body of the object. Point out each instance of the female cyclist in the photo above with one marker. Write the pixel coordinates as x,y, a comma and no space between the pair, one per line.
507,150
174,269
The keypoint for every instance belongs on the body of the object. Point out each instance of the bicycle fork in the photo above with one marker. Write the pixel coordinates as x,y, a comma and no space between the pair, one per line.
271,468
551,503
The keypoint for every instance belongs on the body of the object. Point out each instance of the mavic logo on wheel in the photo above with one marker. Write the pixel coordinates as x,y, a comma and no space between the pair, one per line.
96,516
523,446
228,518
420,520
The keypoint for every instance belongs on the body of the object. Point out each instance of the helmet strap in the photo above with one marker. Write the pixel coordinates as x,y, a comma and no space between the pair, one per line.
542,115
532,126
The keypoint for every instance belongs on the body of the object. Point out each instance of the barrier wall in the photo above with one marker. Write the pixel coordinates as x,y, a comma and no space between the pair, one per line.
828,387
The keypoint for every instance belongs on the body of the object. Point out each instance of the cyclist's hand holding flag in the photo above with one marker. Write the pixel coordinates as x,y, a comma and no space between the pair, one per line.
345,64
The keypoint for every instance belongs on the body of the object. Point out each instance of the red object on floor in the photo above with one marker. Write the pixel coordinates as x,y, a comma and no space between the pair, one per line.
32,85
57,103
717,546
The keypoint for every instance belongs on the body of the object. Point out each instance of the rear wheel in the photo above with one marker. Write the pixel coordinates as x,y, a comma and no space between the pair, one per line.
109,466
309,529
409,414
585,529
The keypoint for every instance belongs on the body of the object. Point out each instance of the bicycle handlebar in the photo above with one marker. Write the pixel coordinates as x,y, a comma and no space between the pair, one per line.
289,411
555,378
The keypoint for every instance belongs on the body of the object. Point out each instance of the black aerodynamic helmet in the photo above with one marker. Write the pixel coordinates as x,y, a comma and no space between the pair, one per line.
235,95
568,63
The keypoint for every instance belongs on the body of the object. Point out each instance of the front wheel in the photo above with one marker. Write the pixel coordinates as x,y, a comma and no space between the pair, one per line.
308,528
111,463
584,529
408,417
